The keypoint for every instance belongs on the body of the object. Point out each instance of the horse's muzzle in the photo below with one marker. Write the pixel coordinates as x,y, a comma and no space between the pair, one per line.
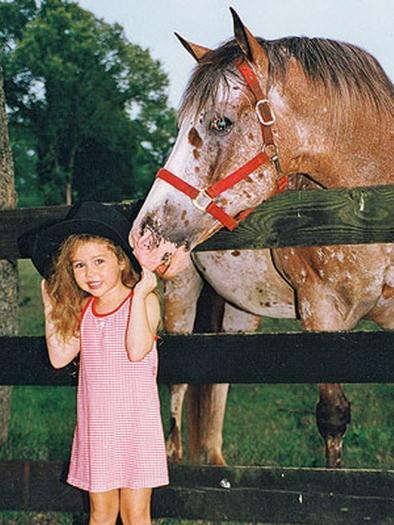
158,255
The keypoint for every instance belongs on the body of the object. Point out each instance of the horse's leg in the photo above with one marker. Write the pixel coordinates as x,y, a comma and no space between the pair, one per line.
320,313
203,398
332,418
213,397
335,288
180,299
174,438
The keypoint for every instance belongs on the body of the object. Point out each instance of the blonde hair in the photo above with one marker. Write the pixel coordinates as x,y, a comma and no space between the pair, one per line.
67,298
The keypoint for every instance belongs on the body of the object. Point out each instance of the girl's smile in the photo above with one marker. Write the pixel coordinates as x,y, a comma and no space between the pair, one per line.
94,285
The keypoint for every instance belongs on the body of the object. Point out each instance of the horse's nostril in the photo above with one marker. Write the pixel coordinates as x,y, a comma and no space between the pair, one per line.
166,257
147,241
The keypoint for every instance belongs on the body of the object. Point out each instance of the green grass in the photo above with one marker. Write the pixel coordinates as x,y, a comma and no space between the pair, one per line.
42,423
31,317
265,424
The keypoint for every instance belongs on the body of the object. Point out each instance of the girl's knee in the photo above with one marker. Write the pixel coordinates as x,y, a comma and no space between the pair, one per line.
135,507
104,508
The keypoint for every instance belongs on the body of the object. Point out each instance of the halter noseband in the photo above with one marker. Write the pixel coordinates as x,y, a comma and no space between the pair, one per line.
203,199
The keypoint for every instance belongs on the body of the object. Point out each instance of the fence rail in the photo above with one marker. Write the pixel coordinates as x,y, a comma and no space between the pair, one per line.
270,495
306,218
356,357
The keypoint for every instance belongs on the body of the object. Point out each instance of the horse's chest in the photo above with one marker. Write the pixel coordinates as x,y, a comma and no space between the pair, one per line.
249,280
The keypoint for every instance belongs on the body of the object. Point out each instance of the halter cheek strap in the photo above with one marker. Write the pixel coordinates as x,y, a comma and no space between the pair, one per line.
263,110
203,198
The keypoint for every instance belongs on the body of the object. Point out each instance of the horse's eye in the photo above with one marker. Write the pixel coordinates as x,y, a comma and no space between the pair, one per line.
220,125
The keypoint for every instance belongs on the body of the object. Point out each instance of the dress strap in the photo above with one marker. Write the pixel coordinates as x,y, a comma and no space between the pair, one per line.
88,302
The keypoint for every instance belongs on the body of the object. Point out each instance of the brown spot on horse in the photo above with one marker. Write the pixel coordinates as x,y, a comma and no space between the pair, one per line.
195,139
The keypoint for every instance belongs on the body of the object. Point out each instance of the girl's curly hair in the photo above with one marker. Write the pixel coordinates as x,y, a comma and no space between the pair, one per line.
67,298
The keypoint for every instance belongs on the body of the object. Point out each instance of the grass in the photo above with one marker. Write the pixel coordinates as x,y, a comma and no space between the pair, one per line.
265,424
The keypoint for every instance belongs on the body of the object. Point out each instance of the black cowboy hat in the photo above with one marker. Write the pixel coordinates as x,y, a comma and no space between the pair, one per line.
42,244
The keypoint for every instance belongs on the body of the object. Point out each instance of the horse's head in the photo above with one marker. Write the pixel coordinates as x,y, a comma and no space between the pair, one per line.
225,159
220,132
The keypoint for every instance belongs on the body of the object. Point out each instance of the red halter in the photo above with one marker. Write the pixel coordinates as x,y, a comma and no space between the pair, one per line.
203,199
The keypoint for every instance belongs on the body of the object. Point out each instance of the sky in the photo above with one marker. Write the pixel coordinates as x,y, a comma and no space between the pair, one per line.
151,24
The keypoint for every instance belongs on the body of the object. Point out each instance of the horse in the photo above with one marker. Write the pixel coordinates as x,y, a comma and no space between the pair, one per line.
254,112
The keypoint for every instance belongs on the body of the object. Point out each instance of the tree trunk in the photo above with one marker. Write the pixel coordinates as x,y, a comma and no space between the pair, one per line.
8,269
69,198
70,177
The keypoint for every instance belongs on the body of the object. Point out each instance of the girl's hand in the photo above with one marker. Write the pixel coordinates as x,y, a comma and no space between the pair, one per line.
147,283
46,300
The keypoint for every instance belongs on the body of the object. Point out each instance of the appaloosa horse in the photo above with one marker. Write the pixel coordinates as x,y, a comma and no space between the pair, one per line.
262,110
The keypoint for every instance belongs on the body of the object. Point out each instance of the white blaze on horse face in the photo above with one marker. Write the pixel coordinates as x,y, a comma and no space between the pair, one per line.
182,151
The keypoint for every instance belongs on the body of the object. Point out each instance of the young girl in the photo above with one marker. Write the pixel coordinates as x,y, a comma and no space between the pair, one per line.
96,307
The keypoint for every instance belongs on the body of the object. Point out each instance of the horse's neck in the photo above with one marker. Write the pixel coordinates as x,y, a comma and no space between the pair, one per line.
342,150
353,163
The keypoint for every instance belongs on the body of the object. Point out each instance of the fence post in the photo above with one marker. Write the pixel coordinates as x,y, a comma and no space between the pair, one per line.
8,268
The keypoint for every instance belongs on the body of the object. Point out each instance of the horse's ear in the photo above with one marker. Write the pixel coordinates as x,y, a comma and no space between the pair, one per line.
247,42
197,52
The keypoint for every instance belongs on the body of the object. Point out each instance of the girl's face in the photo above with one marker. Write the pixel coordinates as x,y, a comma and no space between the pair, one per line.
97,269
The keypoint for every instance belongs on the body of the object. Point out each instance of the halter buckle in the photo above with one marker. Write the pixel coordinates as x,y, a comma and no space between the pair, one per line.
260,115
202,200
271,150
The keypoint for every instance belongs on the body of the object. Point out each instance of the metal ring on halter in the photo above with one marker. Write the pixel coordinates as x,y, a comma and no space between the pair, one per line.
260,115
202,206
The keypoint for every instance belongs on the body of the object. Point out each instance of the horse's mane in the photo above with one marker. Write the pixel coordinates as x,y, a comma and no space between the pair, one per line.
349,74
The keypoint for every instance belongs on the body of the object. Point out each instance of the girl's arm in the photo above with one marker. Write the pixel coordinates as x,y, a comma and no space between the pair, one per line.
144,317
60,352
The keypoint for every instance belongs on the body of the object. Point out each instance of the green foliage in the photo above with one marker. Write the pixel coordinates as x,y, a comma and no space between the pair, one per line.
23,145
94,102
31,314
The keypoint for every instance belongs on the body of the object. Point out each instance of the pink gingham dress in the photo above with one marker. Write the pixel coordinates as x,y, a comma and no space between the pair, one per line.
118,440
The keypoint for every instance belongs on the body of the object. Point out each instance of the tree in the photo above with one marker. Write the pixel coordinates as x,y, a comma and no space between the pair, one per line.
8,270
94,103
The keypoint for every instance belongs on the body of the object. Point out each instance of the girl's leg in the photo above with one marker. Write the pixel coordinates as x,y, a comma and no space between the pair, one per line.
104,507
135,506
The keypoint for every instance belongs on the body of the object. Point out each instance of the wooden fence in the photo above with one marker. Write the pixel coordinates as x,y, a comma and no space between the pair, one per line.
294,218
269,495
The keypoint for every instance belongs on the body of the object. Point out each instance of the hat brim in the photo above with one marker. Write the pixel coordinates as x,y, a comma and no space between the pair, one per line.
42,244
